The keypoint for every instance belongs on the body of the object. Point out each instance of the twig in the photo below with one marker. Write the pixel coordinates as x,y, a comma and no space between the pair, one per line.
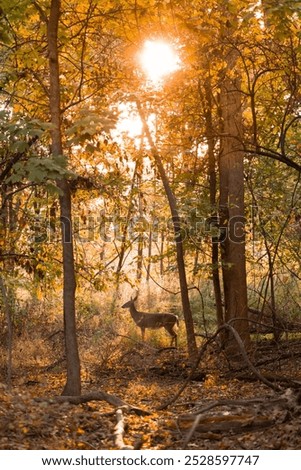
158,284
191,431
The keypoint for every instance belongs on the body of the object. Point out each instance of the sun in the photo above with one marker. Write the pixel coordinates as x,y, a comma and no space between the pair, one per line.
158,58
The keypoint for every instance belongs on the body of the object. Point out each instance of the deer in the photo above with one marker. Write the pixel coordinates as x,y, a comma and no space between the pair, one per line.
168,321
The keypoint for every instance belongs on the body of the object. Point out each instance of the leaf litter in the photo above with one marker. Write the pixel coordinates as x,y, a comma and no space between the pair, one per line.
216,410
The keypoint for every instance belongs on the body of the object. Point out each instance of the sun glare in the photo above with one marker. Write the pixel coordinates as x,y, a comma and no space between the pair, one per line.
129,122
129,125
158,59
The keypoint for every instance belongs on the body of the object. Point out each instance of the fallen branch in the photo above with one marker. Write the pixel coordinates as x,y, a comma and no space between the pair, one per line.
265,412
98,396
273,378
225,423
119,432
289,400
202,350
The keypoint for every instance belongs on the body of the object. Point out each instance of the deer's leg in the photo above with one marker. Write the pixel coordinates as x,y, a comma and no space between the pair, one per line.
173,334
143,333
174,339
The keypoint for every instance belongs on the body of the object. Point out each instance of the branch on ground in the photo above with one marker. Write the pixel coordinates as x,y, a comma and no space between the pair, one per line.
99,396
201,352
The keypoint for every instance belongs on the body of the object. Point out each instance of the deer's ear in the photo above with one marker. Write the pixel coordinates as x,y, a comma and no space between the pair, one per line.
135,298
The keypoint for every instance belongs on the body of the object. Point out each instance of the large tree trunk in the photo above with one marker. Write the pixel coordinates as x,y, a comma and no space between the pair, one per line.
73,383
232,208
178,236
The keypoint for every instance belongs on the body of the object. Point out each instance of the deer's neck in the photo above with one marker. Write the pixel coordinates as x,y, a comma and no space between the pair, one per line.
136,316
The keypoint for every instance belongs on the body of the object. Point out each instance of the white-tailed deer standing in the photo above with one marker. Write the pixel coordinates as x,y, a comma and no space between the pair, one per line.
153,321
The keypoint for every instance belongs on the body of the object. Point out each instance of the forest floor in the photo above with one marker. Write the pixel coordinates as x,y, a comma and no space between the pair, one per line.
218,409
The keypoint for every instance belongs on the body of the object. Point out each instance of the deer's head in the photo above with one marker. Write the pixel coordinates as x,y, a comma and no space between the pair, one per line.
131,302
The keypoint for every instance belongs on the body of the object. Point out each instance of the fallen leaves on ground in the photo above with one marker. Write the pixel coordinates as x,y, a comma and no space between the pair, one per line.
28,423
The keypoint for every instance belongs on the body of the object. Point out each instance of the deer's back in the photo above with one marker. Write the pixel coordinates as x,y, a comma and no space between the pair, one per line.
156,320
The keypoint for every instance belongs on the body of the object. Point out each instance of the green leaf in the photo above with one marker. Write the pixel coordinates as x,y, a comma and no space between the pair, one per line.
36,175
53,189
20,146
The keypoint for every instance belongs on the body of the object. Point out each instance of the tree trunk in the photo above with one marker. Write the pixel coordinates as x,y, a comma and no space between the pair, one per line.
73,383
7,227
149,254
232,208
178,236
141,220
214,222
7,299
161,252
125,226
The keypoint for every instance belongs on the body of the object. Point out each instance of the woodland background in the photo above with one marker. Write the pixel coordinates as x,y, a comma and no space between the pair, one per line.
199,210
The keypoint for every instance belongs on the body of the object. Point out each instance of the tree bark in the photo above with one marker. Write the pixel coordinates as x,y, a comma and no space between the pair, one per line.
73,383
232,208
